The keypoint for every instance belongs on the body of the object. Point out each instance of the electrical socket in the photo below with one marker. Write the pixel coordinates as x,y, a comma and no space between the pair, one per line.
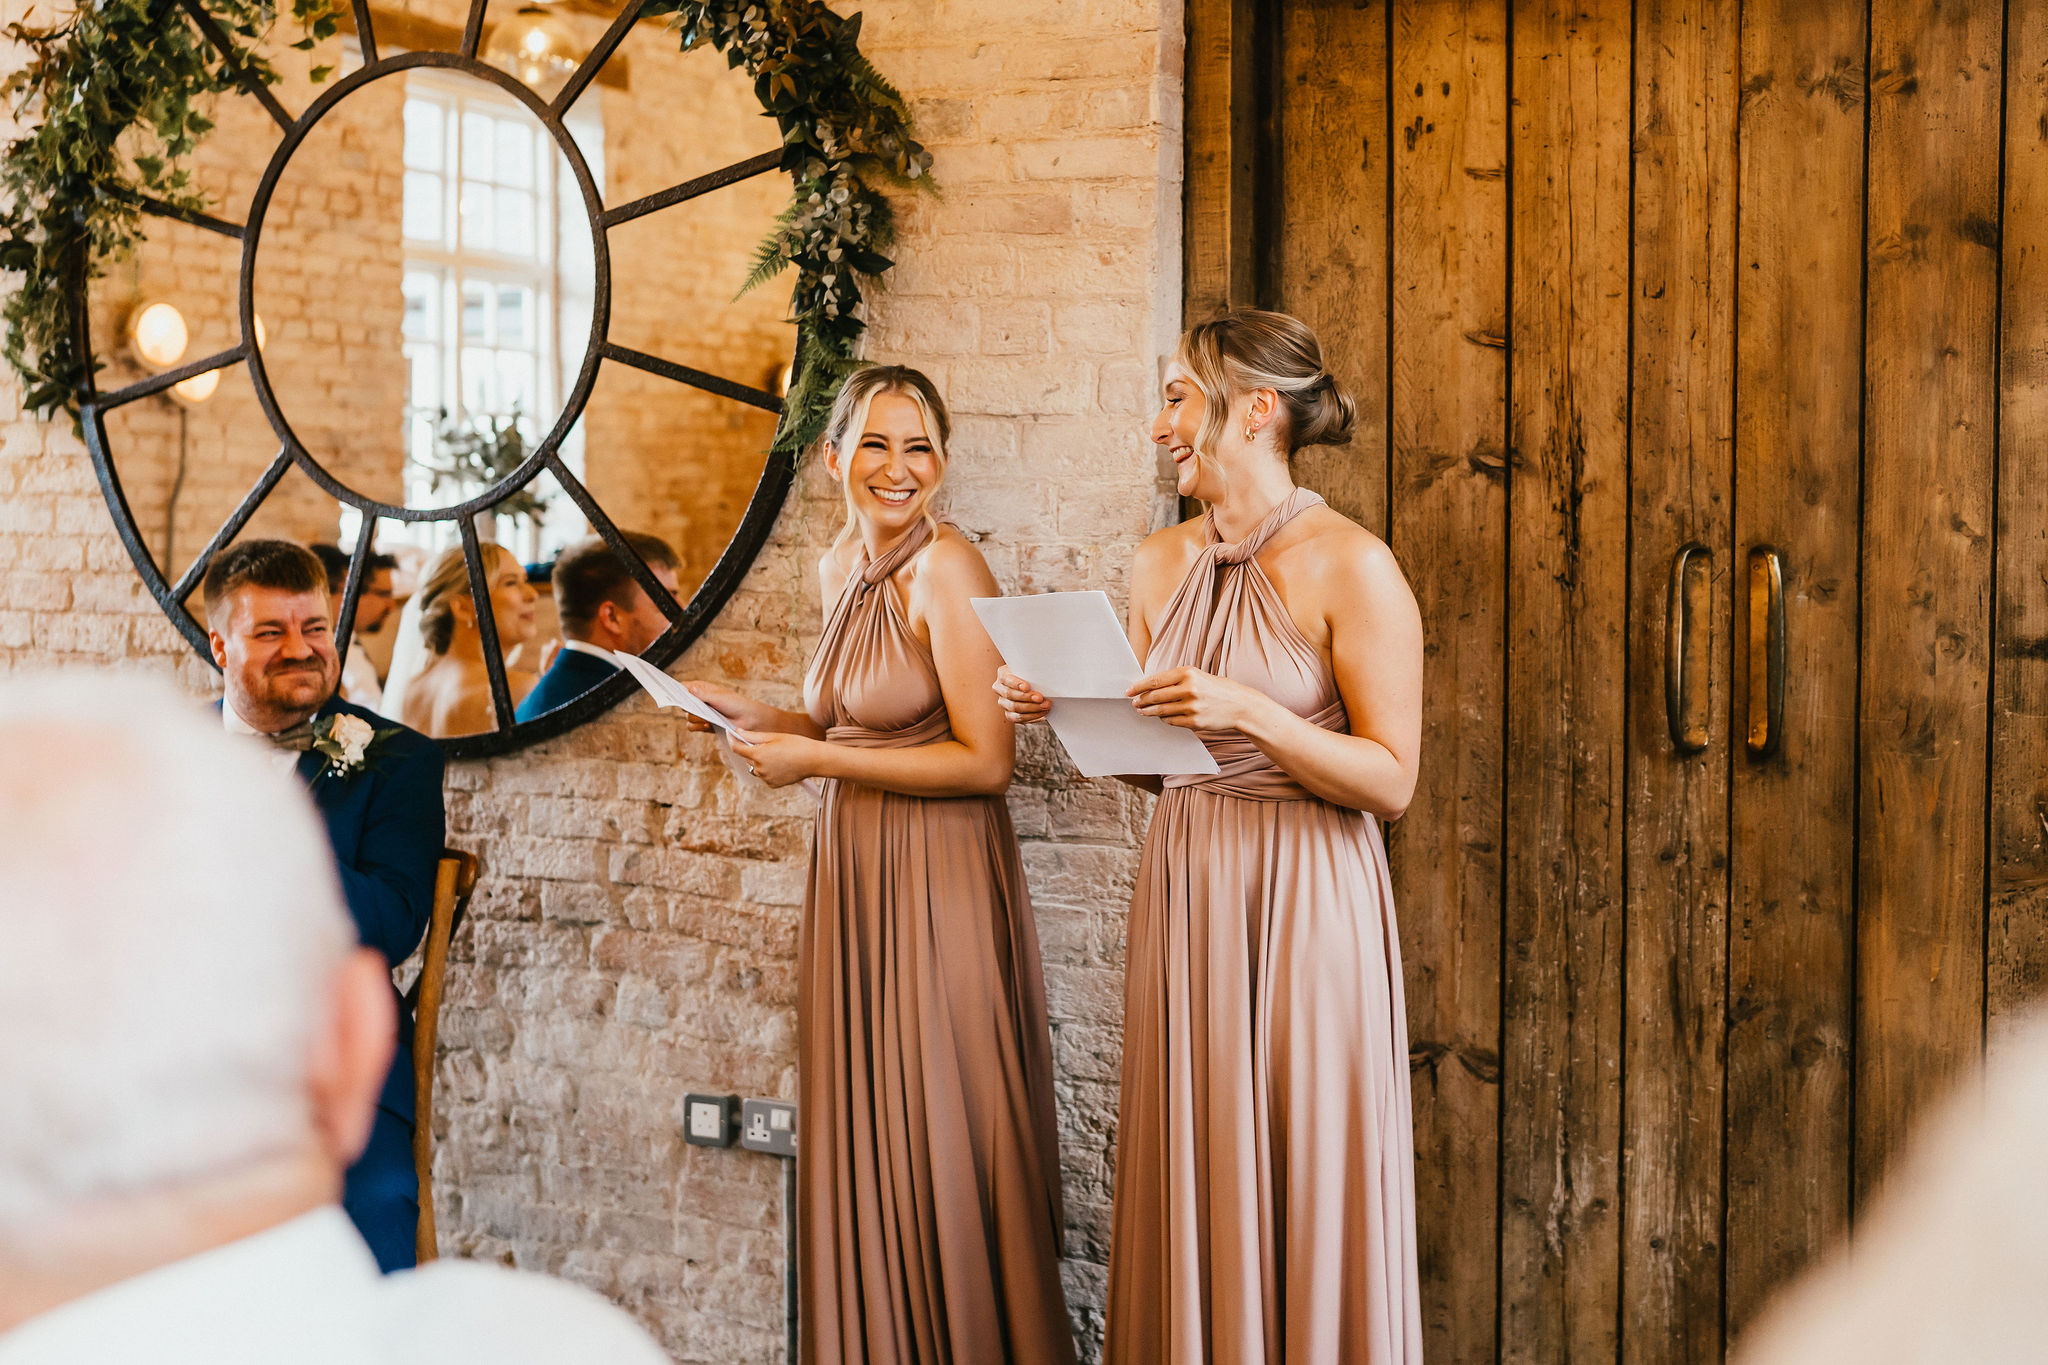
768,1126
710,1120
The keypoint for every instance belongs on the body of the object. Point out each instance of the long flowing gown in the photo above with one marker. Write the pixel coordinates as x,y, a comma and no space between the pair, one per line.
929,1207
1264,1209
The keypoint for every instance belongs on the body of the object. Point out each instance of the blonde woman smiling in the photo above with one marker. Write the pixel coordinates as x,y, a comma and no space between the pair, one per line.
928,1166
1264,1206
451,694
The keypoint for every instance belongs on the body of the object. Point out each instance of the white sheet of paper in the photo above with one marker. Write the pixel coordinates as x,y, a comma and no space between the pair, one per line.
666,691
1072,649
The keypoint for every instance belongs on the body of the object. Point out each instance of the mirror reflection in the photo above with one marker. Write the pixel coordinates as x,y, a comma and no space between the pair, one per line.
425,285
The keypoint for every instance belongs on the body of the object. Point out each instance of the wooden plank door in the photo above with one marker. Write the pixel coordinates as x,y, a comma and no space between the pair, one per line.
1799,364
1700,906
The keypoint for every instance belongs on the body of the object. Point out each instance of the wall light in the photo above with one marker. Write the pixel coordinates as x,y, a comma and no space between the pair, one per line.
538,47
197,389
157,334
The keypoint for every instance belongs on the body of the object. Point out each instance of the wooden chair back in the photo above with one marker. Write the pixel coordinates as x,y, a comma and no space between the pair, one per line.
454,883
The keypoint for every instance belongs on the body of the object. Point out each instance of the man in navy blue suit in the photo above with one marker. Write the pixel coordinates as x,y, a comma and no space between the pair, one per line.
600,605
378,787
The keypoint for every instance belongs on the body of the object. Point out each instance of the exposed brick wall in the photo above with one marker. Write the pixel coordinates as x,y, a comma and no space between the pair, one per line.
634,937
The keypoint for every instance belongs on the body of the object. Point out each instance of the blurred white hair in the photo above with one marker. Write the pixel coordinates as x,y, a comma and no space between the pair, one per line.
1947,1266
170,926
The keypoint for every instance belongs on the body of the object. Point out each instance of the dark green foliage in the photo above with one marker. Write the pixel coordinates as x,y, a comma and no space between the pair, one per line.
474,455
112,102
844,130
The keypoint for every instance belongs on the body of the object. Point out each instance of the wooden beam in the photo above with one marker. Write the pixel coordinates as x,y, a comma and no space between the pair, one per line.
1681,458
1221,119
1447,490
1930,371
1799,413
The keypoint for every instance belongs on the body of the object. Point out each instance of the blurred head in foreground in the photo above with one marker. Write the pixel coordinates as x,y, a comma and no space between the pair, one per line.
208,1040
1950,1262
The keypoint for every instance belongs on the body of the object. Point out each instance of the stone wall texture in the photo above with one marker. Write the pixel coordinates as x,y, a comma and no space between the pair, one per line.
634,935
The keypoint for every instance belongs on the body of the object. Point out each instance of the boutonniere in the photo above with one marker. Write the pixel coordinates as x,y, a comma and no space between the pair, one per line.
345,742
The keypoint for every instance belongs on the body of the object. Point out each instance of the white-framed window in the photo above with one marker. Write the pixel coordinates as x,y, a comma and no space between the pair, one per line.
498,282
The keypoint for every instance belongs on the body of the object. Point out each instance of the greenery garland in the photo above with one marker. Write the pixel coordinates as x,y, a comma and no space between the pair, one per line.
111,98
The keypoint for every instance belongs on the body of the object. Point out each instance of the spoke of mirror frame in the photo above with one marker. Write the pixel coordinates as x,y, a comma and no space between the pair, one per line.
607,528
473,28
250,82
690,189
158,208
365,39
486,623
232,527
352,590
696,379
599,55
157,383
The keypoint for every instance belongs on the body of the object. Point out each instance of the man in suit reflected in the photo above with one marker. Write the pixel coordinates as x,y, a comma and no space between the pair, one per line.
601,608
377,786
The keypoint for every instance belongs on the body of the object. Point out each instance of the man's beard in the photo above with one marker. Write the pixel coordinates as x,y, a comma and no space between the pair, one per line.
277,677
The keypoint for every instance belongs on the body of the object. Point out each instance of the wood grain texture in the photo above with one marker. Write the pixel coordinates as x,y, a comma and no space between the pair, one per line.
1799,345
2016,948
1681,460
1449,523
1329,264
1932,256
1566,681
1220,110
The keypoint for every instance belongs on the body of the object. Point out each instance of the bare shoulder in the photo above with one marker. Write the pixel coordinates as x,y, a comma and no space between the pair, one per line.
1345,556
1165,554
950,564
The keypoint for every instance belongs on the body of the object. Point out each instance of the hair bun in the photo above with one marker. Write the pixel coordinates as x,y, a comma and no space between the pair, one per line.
1324,414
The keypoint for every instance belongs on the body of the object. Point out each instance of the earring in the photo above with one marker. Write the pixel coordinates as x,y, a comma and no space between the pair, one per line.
1250,433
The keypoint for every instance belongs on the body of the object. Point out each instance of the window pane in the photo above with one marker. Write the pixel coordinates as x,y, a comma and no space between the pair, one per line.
422,211
515,222
426,376
515,382
422,306
476,215
478,143
479,382
515,153
423,140
475,313
515,316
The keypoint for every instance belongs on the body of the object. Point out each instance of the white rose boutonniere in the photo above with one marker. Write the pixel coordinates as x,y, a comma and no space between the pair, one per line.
345,741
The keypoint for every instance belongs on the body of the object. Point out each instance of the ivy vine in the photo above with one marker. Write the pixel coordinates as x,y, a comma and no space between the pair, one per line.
112,98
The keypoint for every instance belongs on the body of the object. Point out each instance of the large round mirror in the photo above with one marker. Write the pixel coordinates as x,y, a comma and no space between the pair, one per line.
473,327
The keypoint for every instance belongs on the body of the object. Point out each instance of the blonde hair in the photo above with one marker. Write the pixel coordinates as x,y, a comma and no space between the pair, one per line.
850,415
1249,348
445,581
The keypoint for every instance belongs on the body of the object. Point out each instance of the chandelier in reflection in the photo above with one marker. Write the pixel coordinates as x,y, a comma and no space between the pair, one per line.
537,47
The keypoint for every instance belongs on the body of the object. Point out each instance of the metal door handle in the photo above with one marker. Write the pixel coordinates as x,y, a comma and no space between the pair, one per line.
1688,732
1766,651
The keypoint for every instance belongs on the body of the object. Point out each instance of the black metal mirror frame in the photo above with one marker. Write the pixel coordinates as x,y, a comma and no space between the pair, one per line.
686,621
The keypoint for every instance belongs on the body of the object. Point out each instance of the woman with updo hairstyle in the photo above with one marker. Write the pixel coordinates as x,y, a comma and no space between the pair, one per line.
1264,1205
451,694
928,1169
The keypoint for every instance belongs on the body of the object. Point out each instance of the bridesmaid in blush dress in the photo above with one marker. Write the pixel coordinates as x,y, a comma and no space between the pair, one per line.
1264,1206
928,1176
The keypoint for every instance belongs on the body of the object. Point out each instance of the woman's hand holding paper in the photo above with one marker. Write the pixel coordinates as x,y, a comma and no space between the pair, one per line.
779,759
1020,701
1194,700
